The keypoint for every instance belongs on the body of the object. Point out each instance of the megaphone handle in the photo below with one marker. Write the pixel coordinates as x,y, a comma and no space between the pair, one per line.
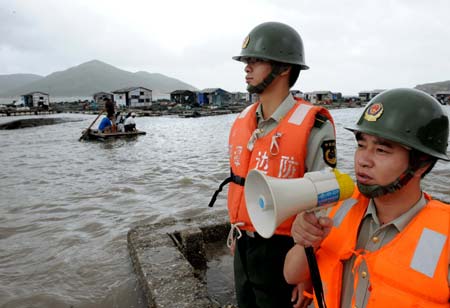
315,276
319,211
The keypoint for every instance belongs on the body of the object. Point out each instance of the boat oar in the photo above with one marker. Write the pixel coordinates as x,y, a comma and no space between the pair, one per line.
87,130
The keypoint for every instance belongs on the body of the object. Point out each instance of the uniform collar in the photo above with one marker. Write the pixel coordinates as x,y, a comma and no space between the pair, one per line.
403,220
280,112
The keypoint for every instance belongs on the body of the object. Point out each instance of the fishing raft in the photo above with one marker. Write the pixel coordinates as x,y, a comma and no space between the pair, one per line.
94,134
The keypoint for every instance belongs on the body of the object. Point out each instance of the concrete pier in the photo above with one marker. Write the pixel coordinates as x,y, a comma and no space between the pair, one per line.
171,260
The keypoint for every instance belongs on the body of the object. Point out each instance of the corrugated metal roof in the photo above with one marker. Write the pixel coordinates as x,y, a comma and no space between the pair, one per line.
31,93
129,89
182,92
101,93
212,90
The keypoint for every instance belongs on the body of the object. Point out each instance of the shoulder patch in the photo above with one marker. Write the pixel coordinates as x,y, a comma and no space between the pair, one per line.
329,152
320,120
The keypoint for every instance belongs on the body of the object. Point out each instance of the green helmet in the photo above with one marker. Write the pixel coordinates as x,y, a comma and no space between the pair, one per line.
410,117
276,42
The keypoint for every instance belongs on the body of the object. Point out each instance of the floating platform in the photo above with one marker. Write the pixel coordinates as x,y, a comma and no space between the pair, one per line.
94,134
184,263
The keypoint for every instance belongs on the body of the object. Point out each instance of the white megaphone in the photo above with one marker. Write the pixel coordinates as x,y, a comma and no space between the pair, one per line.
270,200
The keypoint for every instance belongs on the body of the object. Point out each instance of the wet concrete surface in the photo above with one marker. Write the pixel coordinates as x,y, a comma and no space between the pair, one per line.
176,267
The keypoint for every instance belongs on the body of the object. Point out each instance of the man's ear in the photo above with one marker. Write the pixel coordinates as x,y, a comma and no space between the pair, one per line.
420,171
286,71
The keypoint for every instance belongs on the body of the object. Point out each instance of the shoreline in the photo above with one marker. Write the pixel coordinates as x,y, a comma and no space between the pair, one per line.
182,113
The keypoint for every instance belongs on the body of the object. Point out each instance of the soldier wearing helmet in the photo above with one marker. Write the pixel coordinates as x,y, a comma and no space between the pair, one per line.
280,46
282,136
389,245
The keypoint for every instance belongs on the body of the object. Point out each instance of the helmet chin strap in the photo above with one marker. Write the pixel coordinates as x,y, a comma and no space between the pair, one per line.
416,161
277,69
375,191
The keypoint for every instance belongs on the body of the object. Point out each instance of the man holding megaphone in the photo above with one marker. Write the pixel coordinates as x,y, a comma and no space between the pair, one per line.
281,136
390,247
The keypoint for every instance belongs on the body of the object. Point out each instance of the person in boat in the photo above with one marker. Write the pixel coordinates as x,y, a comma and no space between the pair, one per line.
120,120
110,111
389,245
106,124
130,123
282,136
109,107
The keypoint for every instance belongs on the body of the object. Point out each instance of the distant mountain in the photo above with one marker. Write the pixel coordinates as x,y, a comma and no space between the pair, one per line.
96,76
14,81
434,87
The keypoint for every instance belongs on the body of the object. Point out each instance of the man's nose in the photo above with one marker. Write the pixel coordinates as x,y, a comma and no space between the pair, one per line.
363,159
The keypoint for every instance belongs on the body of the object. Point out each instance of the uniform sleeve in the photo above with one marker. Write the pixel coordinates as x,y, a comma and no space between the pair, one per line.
321,148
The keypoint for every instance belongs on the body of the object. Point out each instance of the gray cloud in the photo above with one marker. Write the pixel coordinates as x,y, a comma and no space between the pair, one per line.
350,45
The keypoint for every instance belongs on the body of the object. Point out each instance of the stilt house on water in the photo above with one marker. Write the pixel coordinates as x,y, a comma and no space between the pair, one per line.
184,97
322,97
35,99
366,96
240,97
133,97
99,98
443,97
214,97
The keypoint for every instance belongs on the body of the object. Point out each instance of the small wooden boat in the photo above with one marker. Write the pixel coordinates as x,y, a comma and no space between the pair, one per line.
95,134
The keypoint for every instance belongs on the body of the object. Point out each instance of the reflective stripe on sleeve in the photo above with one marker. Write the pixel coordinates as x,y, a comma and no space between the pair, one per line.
342,211
428,251
299,114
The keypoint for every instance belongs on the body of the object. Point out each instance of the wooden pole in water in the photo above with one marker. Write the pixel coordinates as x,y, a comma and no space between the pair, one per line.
83,136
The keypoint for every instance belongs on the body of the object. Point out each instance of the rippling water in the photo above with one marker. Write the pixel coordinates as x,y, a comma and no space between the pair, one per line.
66,206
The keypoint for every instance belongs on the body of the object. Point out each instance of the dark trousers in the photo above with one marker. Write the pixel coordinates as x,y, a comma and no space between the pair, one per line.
130,127
258,271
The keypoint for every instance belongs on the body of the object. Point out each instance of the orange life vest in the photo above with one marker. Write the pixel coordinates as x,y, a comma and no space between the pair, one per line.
281,153
409,271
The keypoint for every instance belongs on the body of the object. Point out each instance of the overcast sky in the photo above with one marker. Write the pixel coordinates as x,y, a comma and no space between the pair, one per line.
350,45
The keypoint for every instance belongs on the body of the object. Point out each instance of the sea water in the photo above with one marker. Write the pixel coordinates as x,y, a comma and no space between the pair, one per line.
66,206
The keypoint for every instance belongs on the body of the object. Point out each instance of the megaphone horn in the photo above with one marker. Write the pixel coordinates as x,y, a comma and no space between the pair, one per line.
271,200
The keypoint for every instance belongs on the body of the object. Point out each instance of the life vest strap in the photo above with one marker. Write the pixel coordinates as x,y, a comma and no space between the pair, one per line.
237,179
232,178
